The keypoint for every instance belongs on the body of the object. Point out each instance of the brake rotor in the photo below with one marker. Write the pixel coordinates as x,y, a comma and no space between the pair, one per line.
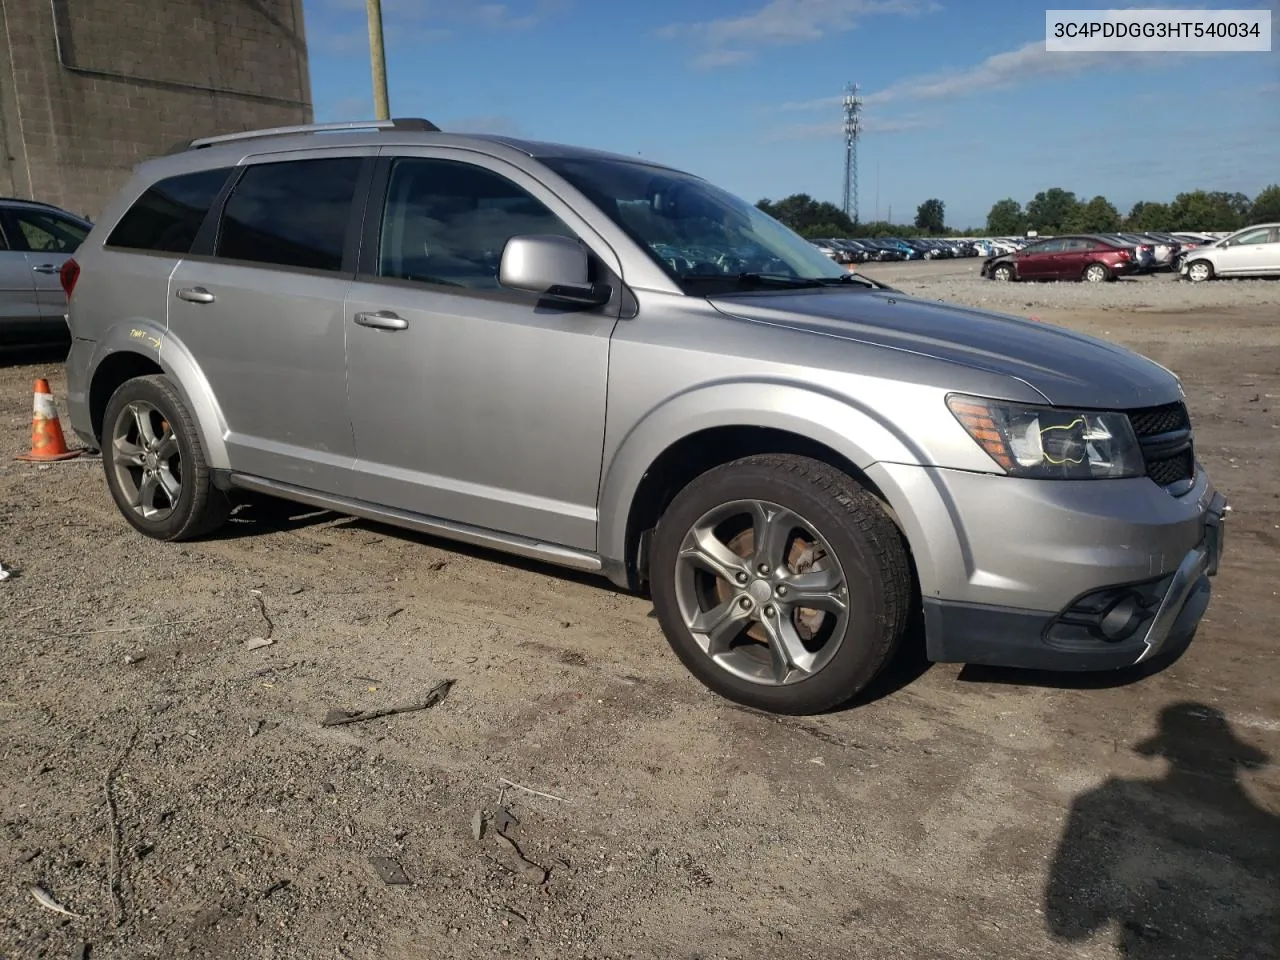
803,556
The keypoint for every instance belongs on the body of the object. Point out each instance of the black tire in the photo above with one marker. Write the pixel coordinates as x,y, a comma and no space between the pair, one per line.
1208,273
866,543
1094,268
199,507
1005,269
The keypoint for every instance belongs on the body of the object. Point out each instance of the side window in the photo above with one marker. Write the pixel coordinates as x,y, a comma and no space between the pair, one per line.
1254,236
168,215
291,214
447,222
49,233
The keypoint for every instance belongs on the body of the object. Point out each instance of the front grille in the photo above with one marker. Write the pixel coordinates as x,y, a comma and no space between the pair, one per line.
1164,433
1172,469
1157,420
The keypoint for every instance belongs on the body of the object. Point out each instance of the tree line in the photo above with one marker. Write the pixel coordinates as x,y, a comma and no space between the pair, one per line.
1051,211
1061,211
816,219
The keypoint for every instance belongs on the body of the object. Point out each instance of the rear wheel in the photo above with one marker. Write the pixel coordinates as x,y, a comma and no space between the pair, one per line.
780,583
155,464
1200,271
1096,273
1002,271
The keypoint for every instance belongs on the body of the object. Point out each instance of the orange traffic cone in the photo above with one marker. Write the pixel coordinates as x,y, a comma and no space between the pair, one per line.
47,442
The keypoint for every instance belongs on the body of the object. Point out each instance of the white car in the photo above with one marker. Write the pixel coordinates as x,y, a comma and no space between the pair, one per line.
1251,252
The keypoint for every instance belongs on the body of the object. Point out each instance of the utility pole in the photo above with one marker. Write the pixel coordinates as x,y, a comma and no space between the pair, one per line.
378,57
852,130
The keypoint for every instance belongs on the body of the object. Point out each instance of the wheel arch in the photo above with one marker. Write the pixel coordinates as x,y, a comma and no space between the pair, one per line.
140,350
650,468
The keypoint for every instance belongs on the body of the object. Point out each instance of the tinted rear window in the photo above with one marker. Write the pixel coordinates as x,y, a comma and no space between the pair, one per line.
293,214
167,217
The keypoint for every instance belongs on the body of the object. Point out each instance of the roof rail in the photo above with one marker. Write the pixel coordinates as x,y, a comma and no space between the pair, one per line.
399,123
34,203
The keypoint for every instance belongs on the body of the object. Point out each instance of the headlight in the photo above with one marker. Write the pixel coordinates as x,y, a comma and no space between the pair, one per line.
1051,443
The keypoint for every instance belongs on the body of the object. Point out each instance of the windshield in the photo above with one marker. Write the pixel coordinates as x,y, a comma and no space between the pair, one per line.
701,235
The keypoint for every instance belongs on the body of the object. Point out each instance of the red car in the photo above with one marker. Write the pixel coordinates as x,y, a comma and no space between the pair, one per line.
1064,258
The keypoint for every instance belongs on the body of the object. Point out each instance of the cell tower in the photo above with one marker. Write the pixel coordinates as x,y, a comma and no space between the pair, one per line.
852,128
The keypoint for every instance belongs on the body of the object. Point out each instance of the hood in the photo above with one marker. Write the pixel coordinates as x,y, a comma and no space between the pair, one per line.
1068,368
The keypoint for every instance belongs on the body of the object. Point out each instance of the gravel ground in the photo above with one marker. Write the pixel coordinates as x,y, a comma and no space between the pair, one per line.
960,282
177,791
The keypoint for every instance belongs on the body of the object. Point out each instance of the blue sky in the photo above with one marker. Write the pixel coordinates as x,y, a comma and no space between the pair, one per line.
962,101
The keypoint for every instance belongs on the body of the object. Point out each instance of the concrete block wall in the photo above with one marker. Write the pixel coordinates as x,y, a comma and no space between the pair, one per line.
89,88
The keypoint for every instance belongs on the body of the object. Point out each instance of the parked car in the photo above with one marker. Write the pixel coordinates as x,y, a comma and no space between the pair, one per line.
612,365
860,251
1142,251
1087,258
1251,252
35,240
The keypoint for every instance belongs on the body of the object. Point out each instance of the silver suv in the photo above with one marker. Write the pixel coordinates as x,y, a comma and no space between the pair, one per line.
611,365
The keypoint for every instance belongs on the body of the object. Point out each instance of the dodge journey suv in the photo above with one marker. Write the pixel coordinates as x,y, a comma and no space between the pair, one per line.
614,366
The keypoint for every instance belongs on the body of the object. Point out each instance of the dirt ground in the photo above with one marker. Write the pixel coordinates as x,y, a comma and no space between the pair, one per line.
147,754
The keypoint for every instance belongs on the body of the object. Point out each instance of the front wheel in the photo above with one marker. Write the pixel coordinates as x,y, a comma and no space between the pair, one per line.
1200,271
1002,272
780,583
155,463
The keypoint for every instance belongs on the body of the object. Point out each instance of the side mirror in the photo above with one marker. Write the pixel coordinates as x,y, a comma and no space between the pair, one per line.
553,267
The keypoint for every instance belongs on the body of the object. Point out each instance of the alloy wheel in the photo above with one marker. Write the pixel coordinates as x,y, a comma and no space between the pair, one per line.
762,592
147,460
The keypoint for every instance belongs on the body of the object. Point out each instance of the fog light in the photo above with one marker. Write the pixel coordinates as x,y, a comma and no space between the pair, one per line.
1123,619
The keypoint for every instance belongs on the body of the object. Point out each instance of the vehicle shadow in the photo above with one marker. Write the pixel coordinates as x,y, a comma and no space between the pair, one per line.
1183,867
257,514
22,355
1099,680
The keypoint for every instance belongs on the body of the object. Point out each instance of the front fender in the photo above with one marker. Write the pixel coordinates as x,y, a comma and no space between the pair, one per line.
802,409
155,343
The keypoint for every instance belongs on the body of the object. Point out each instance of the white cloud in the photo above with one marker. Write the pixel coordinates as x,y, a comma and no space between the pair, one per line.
1000,71
733,40
714,59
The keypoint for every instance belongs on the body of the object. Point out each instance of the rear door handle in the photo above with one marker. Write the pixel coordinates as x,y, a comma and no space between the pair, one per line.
46,268
195,295
382,320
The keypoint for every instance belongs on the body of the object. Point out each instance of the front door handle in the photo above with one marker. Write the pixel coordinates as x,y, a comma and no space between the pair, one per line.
382,320
195,295
46,268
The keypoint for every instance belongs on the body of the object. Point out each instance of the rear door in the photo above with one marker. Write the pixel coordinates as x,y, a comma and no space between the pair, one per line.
19,311
262,313
1069,262
50,240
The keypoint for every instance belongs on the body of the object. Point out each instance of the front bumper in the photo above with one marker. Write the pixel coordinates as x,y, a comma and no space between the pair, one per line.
1108,628
1024,572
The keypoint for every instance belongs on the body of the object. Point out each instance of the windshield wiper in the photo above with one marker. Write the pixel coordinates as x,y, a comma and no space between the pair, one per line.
859,280
758,279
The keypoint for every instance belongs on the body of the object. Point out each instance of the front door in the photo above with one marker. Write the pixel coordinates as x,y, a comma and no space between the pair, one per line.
19,311
470,402
1036,261
263,316
1246,253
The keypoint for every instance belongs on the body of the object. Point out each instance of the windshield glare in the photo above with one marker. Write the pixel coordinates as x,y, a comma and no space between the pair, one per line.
693,230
